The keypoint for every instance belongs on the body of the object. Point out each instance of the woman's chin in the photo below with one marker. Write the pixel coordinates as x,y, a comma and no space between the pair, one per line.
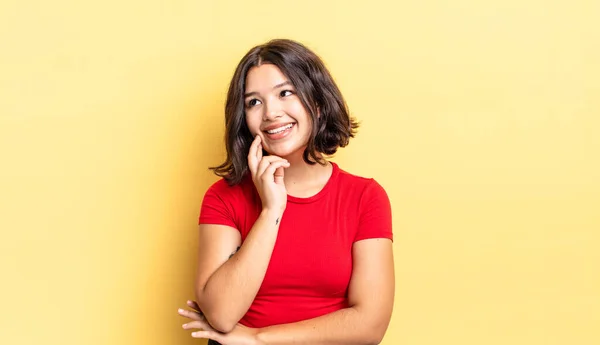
282,154
285,152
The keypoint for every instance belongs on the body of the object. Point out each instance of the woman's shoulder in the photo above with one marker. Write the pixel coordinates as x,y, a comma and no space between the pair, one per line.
348,179
225,204
225,191
364,188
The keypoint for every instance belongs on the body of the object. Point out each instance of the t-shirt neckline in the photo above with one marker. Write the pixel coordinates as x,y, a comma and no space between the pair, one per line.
322,192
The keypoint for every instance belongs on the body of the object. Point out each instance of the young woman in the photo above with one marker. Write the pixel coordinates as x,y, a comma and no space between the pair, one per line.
293,249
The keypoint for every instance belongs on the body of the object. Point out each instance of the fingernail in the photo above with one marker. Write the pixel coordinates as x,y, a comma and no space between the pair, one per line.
184,326
180,310
194,334
189,301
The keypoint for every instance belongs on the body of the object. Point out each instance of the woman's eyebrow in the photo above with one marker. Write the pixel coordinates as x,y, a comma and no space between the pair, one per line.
287,82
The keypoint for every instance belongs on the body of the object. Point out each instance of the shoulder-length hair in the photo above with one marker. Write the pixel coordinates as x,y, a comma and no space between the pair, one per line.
332,126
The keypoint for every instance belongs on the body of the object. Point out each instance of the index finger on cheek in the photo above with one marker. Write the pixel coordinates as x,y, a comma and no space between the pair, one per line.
259,153
253,147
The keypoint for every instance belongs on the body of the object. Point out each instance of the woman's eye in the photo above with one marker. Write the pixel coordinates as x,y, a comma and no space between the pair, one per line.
285,93
253,102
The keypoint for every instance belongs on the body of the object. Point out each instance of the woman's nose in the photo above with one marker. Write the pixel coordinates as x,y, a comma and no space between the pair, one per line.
272,110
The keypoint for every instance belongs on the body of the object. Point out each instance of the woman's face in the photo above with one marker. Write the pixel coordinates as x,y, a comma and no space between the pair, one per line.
274,111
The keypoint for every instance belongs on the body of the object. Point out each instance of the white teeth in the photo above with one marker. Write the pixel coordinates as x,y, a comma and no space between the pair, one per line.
280,129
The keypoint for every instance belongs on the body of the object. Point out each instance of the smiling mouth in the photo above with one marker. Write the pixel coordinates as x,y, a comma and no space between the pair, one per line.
280,129
279,132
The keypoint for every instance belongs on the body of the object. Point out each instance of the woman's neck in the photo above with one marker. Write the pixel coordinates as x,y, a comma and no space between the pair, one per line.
303,179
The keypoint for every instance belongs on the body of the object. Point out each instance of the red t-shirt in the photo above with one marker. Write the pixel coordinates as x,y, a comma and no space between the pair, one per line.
311,264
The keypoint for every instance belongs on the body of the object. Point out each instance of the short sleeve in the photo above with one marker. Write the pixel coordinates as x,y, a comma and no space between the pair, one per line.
375,220
217,207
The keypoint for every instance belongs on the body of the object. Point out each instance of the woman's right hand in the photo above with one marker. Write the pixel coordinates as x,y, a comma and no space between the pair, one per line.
267,174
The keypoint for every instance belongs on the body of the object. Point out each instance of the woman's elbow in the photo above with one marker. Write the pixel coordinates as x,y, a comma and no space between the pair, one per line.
376,332
220,321
374,337
216,316
375,340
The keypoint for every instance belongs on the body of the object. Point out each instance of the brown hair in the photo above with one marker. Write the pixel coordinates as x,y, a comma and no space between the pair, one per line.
315,88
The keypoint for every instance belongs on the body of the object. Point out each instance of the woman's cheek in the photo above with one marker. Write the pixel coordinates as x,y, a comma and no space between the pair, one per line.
252,126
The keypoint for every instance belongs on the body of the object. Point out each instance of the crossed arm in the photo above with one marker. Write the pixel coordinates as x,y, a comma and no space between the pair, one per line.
230,273
226,289
370,297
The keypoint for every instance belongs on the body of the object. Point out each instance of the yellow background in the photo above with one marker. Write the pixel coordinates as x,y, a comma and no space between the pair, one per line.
480,118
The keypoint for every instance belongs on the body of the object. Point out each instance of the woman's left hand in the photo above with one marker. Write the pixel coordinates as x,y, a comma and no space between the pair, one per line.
240,335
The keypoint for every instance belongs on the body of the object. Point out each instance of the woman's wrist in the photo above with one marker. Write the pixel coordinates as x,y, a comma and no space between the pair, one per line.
272,215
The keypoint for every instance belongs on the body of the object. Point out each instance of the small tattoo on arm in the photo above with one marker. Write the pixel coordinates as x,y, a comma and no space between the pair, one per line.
236,250
277,221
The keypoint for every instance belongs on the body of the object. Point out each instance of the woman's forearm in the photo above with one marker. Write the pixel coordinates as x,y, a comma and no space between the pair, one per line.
349,326
229,291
